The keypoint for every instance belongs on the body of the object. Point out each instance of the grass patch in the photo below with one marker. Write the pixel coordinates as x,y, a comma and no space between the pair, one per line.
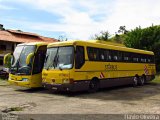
12,109
3,82
16,109
1,79
157,78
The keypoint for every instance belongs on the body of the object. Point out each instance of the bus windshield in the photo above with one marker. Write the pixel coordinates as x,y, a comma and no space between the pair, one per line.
20,54
59,58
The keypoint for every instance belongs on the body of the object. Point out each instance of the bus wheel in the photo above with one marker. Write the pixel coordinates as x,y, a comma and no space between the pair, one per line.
141,80
135,81
93,86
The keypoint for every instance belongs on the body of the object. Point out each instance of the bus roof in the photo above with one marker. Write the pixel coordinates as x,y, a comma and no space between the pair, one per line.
101,44
34,43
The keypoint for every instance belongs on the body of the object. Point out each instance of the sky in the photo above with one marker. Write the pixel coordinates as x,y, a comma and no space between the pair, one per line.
77,19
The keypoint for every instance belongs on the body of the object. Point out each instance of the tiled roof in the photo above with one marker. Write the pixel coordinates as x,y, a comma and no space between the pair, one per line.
23,37
21,32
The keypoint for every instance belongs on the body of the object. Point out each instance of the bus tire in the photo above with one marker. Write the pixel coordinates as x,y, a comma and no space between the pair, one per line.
142,80
135,81
93,86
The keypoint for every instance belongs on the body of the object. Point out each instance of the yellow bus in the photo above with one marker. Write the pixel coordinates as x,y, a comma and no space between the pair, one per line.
90,65
27,63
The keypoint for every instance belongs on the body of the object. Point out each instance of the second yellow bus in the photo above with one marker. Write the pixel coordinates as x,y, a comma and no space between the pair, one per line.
90,65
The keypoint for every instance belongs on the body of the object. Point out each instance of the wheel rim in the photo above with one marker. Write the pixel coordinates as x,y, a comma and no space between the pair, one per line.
135,81
142,80
93,86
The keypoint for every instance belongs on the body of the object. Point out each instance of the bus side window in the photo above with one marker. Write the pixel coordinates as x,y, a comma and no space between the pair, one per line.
102,54
126,57
106,55
120,56
96,54
109,57
115,55
93,54
150,59
90,53
135,58
39,59
143,59
79,58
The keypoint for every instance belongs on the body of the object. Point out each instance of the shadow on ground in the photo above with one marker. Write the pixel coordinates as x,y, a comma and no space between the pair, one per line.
127,93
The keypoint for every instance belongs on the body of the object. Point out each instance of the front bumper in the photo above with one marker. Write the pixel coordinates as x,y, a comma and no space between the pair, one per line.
73,87
20,83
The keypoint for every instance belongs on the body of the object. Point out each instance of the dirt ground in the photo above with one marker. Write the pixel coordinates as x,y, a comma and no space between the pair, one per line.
117,100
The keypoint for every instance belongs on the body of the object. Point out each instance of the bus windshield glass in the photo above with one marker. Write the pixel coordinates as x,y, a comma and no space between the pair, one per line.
59,58
20,54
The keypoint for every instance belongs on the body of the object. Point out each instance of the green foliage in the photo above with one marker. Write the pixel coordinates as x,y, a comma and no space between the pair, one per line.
147,39
8,62
62,38
118,38
122,29
157,79
102,36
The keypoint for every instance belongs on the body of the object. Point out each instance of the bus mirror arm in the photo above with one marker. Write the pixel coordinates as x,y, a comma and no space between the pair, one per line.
60,68
7,60
29,57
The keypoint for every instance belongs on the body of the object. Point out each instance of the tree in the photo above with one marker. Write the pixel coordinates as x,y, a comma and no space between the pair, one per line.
102,36
122,29
118,38
62,38
147,39
120,35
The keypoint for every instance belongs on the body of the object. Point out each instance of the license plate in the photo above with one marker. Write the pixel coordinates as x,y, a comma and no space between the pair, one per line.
15,83
54,88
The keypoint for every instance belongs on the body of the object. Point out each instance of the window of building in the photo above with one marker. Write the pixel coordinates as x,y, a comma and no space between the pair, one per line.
3,47
1,60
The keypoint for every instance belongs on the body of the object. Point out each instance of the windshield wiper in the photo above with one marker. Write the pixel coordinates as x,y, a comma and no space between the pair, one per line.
21,73
17,64
54,60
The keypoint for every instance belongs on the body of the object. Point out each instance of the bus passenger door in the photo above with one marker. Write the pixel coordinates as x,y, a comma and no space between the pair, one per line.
38,64
80,73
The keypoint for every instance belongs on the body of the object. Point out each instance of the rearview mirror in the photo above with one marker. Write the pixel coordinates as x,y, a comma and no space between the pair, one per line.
29,58
7,60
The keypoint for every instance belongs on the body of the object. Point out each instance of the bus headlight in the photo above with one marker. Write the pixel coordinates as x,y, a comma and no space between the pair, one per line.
65,81
24,79
70,80
9,78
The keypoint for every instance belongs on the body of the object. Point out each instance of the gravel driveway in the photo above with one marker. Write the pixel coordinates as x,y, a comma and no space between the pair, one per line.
117,100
